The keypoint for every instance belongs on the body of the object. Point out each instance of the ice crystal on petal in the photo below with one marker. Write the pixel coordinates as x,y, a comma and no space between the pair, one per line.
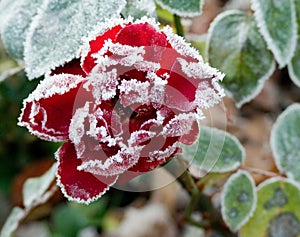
56,84
206,96
113,165
162,155
134,91
139,137
103,85
180,125
77,129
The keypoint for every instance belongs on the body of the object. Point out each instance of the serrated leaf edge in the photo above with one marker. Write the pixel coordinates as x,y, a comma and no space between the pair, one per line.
225,188
282,61
292,108
261,81
182,13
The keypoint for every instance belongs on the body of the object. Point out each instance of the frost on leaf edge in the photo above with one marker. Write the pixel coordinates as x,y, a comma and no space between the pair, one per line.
34,73
261,81
277,179
182,13
277,157
292,74
254,204
238,144
282,60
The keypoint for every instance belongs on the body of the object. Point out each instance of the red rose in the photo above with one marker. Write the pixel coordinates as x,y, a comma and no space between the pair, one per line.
135,94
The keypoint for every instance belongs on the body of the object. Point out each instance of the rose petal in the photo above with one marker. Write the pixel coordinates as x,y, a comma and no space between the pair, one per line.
146,164
88,62
72,67
112,165
180,125
142,34
78,185
134,91
47,111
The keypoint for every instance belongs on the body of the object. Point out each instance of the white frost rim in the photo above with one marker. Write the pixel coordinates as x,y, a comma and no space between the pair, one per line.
281,57
261,81
276,152
253,207
295,78
78,200
182,13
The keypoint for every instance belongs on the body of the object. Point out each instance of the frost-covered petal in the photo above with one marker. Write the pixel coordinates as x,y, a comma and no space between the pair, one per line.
103,85
140,137
78,185
180,125
47,111
112,165
93,46
134,91
156,158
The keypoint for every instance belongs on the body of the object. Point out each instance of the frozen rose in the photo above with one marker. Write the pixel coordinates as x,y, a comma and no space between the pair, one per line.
134,93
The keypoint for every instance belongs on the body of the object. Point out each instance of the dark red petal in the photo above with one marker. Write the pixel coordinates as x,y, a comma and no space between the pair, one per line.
48,110
95,45
180,90
142,34
72,67
77,185
145,164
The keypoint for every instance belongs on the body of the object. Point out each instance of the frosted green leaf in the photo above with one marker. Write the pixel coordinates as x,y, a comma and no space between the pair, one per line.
182,7
276,20
218,151
294,65
56,32
17,18
236,48
7,7
139,8
285,140
238,200
12,222
277,213
35,188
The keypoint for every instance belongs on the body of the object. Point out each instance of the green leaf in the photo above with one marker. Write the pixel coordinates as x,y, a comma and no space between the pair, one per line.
68,221
277,213
182,7
236,47
238,200
12,222
56,32
285,140
294,65
139,8
277,23
35,188
218,151
18,17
